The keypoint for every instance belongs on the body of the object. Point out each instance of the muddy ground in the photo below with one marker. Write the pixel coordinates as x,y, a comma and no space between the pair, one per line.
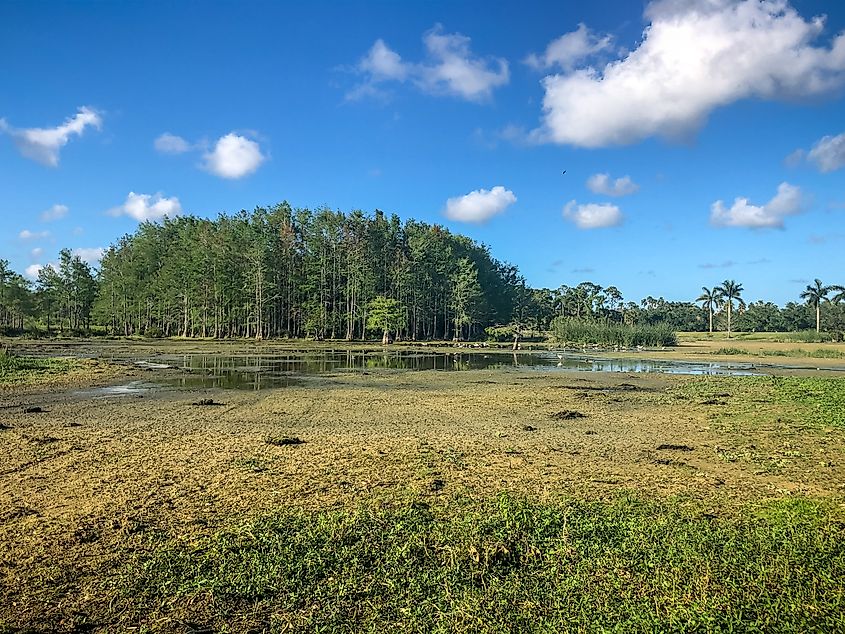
81,479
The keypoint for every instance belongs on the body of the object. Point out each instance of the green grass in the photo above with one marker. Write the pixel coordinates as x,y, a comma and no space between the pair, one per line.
577,331
818,353
800,336
508,564
15,369
815,401
731,351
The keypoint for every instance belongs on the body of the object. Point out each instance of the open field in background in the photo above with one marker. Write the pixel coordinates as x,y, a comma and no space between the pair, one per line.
425,501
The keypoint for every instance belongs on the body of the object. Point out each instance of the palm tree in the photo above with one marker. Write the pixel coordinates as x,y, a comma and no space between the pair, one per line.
840,293
814,294
709,300
727,292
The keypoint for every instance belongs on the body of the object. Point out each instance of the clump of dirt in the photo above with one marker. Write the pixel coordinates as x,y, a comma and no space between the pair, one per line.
19,512
34,409
567,414
713,401
670,462
627,387
282,441
43,440
206,402
528,428
669,447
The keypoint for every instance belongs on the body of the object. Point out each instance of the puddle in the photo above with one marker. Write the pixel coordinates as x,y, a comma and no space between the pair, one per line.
251,372
133,388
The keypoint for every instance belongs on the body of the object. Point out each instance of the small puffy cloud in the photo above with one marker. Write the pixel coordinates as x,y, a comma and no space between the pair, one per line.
479,205
694,57
234,156
592,215
55,212
36,253
31,272
787,202
570,49
26,234
143,207
602,184
455,71
44,144
794,159
449,68
828,154
382,64
91,255
171,144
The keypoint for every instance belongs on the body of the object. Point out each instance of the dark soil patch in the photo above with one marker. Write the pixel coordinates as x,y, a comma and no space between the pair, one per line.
528,428
667,447
567,414
670,462
590,432
437,485
206,402
33,410
283,441
713,401
44,440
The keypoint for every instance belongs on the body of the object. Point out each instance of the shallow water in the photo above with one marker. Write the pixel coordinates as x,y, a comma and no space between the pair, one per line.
281,370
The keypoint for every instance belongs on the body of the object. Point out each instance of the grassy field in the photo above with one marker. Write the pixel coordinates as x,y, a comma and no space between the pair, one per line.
477,501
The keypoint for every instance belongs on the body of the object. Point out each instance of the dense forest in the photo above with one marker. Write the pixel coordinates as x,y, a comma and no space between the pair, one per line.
323,274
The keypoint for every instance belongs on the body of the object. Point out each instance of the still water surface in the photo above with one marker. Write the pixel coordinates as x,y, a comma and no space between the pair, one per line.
280,370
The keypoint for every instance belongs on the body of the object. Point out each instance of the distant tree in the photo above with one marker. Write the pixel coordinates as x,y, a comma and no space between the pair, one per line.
709,299
814,295
728,292
384,314
466,295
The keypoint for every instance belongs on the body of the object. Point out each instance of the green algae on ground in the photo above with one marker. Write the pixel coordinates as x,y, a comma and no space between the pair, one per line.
510,563
27,371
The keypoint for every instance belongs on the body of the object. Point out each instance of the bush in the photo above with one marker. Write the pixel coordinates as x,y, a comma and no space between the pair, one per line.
577,331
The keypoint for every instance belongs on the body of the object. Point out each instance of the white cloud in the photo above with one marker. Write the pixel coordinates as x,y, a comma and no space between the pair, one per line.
455,71
381,63
143,207
36,253
44,144
171,144
449,68
828,153
693,58
31,272
479,205
54,213
234,156
601,184
91,255
787,202
570,49
592,215
26,234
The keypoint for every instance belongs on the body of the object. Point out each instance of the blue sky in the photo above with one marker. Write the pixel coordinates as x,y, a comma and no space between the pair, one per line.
463,114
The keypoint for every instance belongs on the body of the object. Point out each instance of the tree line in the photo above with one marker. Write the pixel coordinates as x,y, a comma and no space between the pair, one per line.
323,274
